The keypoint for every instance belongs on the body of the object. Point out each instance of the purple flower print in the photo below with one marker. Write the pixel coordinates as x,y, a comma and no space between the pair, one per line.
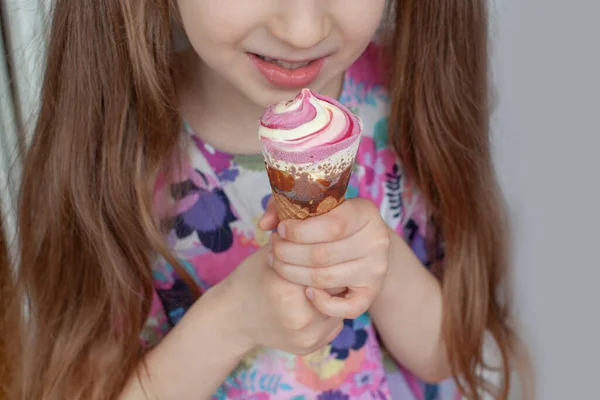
348,339
418,244
363,378
229,175
208,214
264,201
415,240
333,395
176,300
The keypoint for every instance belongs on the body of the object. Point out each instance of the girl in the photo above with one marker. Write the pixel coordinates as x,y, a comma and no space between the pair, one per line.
147,268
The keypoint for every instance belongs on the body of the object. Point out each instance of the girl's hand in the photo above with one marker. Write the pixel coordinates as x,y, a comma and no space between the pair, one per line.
275,313
348,247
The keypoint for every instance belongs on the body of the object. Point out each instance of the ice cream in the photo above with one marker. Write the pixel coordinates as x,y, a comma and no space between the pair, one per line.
309,146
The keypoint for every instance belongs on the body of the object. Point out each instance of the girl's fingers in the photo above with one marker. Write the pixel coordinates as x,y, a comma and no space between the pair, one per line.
349,274
352,306
326,254
341,222
270,219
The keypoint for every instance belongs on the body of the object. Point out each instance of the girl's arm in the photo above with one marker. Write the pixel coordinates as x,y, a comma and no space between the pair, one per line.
408,314
196,357
352,247
252,307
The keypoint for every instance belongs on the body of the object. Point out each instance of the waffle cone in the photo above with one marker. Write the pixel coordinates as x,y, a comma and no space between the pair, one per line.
286,209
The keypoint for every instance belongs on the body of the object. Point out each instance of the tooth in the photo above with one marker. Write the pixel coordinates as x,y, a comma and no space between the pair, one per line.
291,65
283,64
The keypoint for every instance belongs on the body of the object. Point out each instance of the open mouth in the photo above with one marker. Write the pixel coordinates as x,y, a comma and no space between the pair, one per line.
286,73
284,64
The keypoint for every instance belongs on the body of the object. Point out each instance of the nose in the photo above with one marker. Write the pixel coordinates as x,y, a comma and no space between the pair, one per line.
302,24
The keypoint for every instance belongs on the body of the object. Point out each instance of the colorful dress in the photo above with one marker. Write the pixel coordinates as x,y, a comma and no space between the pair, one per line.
219,200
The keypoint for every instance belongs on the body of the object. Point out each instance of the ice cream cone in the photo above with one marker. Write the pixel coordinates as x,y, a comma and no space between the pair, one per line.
286,209
309,145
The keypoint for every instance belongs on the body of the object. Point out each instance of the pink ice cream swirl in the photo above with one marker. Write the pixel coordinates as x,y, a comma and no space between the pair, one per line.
308,129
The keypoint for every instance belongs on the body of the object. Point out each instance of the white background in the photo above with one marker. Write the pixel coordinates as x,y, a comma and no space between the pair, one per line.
546,130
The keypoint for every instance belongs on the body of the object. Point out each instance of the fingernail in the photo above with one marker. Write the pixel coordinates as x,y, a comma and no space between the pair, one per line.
270,258
310,293
281,230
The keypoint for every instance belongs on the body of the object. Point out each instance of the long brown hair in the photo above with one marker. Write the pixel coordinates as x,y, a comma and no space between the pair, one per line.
108,123
6,314
440,123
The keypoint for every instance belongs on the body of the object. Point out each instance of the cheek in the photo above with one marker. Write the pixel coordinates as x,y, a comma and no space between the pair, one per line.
359,19
214,27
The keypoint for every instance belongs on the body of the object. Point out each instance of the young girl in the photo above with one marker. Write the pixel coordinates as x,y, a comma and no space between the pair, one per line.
146,256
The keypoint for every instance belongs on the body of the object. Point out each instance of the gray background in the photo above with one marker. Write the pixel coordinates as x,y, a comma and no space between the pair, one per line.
546,130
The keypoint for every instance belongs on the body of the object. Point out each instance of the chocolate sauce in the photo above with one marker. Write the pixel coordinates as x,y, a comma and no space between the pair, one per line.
302,190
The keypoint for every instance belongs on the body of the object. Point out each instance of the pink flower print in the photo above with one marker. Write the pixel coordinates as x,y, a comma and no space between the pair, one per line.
364,81
374,166
367,68
213,267
364,380
219,160
374,171
240,394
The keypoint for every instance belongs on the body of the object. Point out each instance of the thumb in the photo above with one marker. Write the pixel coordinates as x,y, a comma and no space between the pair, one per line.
351,306
270,219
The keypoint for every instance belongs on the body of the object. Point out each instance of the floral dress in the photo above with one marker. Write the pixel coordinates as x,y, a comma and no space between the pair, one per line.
219,199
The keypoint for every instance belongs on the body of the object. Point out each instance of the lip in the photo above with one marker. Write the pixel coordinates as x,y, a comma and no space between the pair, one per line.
288,78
